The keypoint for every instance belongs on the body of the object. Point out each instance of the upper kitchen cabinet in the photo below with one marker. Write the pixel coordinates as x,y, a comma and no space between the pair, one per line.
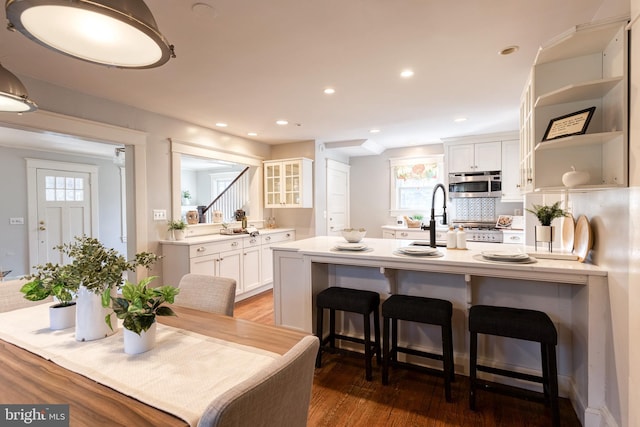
584,67
474,157
288,183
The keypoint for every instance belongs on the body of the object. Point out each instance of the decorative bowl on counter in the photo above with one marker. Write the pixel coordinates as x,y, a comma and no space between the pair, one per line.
573,178
353,235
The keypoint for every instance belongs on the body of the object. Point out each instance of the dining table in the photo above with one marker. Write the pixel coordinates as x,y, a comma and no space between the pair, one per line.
28,378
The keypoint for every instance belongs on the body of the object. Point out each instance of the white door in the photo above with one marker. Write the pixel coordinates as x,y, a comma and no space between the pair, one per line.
337,197
62,205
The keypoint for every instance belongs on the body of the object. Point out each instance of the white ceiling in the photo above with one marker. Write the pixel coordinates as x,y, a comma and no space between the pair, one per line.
250,63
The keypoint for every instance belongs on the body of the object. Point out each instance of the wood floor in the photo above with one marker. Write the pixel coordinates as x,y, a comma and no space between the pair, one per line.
342,397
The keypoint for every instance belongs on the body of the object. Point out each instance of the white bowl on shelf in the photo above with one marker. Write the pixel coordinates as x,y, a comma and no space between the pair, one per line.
574,178
354,235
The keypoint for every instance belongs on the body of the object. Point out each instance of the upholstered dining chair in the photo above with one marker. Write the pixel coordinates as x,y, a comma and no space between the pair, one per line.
277,396
12,299
207,293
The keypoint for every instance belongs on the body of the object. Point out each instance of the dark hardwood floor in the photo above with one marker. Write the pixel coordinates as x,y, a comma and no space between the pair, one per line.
342,397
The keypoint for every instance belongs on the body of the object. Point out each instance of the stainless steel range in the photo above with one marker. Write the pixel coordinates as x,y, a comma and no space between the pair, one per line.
480,231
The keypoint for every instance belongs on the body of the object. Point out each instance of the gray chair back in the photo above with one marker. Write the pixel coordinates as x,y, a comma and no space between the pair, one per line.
277,396
207,293
12,299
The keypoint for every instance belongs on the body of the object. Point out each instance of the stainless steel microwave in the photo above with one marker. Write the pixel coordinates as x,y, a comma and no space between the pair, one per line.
475,184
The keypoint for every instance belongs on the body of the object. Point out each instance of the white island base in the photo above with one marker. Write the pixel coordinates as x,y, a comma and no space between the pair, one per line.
573,294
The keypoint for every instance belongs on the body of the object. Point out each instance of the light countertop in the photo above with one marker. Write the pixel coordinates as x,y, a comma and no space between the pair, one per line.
211,238
383,253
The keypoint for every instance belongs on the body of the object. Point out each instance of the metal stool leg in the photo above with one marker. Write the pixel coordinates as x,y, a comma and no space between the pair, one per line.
473,359
385,350
367,346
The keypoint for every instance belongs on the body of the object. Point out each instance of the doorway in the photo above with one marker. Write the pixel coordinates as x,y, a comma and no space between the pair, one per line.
62,203
337,197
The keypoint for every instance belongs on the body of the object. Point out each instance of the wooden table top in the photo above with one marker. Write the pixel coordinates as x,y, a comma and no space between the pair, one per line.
29,379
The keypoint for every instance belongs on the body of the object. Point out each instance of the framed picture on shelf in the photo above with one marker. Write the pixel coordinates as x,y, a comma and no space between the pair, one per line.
570,124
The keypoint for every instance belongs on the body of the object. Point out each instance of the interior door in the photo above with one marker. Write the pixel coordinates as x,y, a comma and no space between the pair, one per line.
62,206
337,197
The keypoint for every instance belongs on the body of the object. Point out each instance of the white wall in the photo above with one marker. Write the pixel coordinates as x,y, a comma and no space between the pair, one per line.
14,250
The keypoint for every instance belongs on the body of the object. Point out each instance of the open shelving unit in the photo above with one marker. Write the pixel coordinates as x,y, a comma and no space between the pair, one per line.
584,67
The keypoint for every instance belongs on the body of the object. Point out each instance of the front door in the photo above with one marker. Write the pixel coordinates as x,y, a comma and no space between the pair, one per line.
62,205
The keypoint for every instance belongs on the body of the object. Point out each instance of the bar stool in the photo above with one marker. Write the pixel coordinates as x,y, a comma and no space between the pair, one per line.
353,301
529,325
421,310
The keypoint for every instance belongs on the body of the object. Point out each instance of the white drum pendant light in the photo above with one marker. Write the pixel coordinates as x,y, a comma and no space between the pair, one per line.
13,94
118,33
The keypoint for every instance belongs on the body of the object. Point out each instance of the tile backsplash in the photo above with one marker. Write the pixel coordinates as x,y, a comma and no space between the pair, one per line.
475,209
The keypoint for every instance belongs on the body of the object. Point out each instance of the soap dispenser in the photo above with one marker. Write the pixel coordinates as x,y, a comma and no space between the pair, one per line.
451,238
461,238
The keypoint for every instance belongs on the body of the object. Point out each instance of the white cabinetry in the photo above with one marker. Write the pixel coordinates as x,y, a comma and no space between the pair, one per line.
510,171
246,259
477,157
412,234
584,67
288,183
267,254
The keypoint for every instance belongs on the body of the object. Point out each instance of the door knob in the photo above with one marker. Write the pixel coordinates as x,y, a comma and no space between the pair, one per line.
42,228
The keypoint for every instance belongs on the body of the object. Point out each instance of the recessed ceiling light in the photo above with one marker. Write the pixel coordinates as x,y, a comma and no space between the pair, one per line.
460,119
252,134
329,91
221,125
406,74
374,131
282,122
509,50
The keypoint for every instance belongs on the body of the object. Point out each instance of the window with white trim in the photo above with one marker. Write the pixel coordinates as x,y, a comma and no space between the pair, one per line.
412,182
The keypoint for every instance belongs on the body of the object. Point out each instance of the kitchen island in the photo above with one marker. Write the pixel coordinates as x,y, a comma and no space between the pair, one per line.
573,294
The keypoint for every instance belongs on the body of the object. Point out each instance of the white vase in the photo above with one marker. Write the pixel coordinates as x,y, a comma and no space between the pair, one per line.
62,316
178,234
136,344
544,233
90,315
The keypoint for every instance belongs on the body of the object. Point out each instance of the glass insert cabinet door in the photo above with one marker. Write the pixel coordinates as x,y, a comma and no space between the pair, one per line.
272,178
288,183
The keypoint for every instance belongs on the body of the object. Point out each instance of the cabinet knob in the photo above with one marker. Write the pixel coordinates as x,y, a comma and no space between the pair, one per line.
201,249
267,238
234,244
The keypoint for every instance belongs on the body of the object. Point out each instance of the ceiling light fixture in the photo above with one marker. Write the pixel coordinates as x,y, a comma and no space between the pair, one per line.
509,50
120,33
221,125
282,122
252,134
329,91
406,74
374,131
460,119
13,94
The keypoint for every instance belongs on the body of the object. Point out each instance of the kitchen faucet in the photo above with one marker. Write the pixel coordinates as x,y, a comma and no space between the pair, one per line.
432,221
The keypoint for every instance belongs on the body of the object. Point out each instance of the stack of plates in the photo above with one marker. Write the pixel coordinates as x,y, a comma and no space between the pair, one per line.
350,247
507,256
424,251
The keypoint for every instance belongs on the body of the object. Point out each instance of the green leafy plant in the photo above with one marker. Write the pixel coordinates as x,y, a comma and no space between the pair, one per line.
417,217
139,304
51,280
177,225
186,194
99,268
546,214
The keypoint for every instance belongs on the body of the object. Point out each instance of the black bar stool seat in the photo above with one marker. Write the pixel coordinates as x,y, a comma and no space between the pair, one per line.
430,311
529,325
353,301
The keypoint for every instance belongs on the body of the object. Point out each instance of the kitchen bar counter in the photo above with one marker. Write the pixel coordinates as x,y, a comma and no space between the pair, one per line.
573,294
212,238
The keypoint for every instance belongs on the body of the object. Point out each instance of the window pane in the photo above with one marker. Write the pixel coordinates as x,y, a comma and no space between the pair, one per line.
60,181
79,183
49,181
60,195
50,195
79,195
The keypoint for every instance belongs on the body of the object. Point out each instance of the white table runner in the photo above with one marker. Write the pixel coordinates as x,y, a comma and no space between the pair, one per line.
181,375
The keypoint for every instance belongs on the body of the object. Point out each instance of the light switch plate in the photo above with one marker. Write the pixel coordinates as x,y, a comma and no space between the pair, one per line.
159,215
16,221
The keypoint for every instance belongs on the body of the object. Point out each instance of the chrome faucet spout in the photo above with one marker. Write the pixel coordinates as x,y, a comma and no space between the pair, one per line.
432,221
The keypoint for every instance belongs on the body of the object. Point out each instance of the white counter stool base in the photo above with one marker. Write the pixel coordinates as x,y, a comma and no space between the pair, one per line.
529,325
430,311
353,301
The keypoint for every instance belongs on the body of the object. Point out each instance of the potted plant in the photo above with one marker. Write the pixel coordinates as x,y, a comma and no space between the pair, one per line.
54,280
546,214
97,271
177,228
138,307
186,197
